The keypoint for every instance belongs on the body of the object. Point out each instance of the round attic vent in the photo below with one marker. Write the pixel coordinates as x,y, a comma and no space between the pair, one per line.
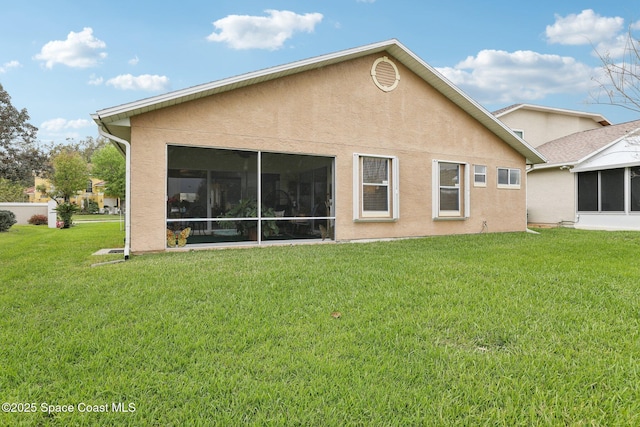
385,74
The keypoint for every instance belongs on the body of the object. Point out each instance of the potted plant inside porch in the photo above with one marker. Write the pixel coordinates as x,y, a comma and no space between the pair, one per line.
248,208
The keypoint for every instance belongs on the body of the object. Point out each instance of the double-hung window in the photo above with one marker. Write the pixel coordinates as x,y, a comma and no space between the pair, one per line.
450,190
375,180
508,178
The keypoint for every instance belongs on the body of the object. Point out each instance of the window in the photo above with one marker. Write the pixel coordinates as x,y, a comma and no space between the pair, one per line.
450,190
634,177
479,176
508,178
520,133
89,187
601,191
375,187
612,190
588,191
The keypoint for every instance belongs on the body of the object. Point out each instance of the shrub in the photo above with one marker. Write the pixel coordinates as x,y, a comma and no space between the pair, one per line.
7,219
65,211
38,220
91,207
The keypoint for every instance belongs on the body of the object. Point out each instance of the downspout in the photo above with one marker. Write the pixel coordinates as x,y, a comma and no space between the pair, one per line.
127,200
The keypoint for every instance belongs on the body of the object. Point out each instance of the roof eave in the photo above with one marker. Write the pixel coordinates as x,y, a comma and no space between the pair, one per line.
119,113
598,118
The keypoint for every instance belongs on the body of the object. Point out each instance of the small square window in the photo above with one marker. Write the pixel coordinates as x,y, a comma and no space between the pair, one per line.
479,176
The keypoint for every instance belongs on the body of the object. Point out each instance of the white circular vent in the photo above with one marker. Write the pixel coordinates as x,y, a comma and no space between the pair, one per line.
385,74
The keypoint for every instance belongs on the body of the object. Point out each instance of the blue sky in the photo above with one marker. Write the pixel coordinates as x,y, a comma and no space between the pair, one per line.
64,60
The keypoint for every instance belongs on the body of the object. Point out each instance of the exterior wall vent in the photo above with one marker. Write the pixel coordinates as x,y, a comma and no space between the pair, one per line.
385,74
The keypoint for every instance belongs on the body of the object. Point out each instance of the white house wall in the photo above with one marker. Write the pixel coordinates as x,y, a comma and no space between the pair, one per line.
540,127
610,221
551,196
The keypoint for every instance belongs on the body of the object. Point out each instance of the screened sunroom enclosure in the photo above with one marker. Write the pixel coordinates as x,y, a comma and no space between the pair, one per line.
213,194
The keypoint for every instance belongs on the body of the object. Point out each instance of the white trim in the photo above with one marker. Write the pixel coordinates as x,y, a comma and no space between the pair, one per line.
479,184
598,118
393,190
375,77
601,149
464,196
509,185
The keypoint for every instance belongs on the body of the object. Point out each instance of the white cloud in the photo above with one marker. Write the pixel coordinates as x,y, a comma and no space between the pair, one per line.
134,60
496,76
260,32
9,65
60,124
79,50
615,48
95,80
587,27
146,82
60,129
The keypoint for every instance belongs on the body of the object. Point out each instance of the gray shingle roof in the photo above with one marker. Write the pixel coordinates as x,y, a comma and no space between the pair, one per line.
572,148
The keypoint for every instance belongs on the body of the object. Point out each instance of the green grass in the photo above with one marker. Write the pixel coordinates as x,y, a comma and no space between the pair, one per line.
97,217
488,329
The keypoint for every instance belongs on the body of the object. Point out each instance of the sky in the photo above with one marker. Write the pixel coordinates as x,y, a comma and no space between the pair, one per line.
65,60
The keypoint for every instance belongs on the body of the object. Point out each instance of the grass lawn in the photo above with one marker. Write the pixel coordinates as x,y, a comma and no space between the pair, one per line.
97,217
487,329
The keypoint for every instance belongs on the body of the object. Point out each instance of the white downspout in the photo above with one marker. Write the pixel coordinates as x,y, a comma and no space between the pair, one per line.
127,200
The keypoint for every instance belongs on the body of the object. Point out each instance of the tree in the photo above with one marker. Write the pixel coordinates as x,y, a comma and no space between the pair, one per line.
20,157
85,147
11,191
70,174
108,164
619,83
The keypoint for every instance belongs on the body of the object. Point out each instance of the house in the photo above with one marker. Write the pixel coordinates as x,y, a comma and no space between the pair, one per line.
93,193
537,124
591,180
366,143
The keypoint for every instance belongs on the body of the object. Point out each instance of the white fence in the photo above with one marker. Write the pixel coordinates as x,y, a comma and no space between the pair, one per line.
24,211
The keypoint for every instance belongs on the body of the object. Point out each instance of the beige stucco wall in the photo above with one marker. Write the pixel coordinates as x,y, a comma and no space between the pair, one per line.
551,196
540,126
333,111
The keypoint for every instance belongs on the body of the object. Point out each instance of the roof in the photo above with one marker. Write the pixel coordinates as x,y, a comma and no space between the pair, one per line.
571,149
598,118
115,120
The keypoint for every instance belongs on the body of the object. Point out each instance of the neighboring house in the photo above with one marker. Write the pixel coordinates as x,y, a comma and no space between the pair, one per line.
538,125
366,143
94,192
591,180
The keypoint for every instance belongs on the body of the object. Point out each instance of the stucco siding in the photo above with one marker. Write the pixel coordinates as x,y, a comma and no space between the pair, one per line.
334,111
540,127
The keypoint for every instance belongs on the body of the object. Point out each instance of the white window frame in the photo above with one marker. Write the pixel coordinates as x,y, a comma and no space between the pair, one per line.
393,193
512,184
519,132
477,174
464,195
